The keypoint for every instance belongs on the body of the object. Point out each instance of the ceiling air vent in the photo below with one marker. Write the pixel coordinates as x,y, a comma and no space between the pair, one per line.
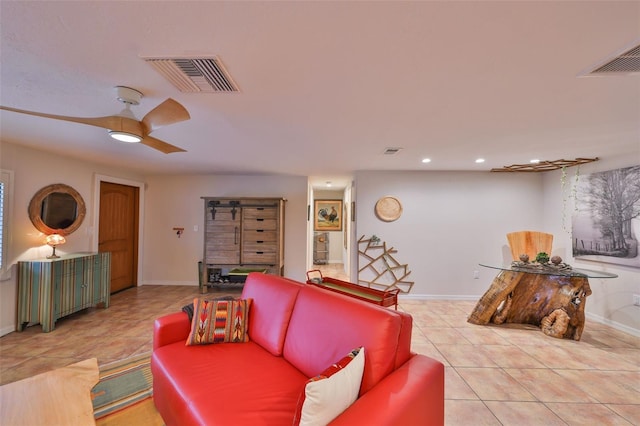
624,63
391,151
192,75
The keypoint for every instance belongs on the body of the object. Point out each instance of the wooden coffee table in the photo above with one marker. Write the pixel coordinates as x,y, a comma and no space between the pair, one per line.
552,300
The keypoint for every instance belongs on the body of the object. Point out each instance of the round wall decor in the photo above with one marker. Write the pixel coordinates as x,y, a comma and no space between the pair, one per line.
388,209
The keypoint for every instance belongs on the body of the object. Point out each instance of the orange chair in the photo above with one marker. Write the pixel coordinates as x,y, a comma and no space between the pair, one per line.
529,242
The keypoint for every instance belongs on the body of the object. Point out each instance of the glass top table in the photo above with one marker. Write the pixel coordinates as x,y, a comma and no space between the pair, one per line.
573,272
552,297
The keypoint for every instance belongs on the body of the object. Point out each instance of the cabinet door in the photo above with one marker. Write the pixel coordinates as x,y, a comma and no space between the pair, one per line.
69,274
57,272
81,295
36,299
102,279
222,240
91,285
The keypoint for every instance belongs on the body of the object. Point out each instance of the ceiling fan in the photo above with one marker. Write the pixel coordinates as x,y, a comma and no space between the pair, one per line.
124,126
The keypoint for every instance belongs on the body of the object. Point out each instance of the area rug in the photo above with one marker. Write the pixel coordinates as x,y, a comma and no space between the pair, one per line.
122,384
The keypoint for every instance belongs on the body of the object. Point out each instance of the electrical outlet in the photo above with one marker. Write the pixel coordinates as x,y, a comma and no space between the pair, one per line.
476,275
636,299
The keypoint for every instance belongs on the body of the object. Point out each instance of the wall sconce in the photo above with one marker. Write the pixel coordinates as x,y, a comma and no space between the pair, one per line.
54,240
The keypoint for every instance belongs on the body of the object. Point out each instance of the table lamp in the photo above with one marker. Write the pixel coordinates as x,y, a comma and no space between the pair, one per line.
54,240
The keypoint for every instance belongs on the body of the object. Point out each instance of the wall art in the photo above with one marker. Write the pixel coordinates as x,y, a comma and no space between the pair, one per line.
606,220
327,215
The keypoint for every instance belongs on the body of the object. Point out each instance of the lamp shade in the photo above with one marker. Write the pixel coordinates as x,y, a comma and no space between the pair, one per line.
55,240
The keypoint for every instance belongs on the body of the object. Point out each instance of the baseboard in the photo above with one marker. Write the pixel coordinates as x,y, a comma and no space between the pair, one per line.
435,297
596,318
189,283
8,329
614,324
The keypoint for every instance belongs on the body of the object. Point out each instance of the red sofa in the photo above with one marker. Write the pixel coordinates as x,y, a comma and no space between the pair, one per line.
296,331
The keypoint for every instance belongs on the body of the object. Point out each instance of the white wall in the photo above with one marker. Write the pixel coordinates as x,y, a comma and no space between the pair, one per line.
31,173
451,221
175,201
336,245
170,201
612,299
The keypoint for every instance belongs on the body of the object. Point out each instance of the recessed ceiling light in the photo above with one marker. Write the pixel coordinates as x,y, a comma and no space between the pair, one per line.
426,160
534,161
480,160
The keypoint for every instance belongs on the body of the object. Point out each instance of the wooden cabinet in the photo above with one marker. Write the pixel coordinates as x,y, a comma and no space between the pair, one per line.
242,234
49,289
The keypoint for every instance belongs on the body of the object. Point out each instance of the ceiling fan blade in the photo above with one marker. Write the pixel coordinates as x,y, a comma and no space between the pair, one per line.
112,122
168,112
160,145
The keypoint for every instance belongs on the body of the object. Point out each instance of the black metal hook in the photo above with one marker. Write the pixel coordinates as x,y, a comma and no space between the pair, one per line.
212,205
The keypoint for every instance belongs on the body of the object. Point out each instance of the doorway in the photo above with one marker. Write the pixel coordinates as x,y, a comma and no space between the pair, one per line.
330,250
118,232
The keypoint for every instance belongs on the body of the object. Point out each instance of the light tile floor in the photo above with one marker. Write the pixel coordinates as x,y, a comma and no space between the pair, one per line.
494,375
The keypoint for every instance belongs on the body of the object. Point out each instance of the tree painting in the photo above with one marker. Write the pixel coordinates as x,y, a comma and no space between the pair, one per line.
606,223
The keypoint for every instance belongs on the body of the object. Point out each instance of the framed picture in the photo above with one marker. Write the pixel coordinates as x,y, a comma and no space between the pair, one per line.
327,215
606,221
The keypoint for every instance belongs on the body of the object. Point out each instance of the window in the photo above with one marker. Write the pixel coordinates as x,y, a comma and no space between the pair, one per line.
6,186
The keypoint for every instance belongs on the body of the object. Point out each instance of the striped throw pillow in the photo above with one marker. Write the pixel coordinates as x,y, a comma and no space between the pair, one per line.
219,321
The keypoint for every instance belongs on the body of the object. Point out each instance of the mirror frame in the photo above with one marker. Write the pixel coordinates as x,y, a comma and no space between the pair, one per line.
35,208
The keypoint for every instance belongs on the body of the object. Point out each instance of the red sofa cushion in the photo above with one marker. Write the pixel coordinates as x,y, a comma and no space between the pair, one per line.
170,329
226,384
412,395
269,318
404,343
331,392
326,325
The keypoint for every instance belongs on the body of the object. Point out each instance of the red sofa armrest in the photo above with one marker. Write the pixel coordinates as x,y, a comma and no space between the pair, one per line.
411,395
170,329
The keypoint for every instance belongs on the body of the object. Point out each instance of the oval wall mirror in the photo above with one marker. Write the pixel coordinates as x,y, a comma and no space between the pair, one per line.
57,209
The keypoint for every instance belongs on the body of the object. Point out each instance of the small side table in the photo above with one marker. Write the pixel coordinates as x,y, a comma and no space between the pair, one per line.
383,298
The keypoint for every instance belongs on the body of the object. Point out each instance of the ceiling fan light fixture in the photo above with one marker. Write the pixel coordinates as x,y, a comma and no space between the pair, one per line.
124,136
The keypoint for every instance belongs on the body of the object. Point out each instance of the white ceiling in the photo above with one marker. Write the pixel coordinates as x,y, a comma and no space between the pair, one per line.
327,86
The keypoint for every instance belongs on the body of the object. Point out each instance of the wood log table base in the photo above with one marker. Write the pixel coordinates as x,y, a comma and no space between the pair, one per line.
555,303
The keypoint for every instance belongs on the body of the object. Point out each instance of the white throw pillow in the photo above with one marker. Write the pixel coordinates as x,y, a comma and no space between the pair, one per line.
333,391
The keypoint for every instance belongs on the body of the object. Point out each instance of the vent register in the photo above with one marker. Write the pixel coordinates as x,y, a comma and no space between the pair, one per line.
391,150
193,75
625,63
